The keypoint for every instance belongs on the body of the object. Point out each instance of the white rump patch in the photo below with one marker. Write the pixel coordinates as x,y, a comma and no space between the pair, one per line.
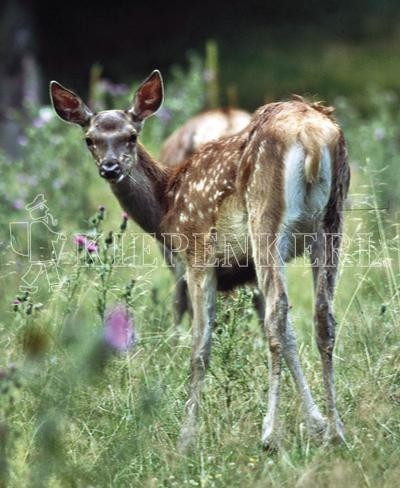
305,202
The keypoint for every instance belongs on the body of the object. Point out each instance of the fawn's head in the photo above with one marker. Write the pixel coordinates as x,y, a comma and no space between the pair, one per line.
111,135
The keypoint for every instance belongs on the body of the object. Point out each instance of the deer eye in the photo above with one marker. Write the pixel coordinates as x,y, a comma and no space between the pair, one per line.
132,139
89,142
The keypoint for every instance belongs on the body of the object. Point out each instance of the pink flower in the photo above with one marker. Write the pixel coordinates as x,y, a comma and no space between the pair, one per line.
119,332
84,243
80,240
91,247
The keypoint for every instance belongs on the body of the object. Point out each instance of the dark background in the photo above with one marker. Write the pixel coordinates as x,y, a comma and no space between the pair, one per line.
256,39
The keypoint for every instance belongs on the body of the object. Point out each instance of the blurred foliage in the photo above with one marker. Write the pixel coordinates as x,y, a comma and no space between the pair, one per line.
54,162
376,138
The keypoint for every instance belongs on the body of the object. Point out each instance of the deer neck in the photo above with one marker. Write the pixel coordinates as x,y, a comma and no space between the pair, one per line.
142,192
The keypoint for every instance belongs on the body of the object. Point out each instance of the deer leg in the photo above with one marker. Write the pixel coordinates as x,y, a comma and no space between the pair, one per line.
275,325
282,342
202,290
324,281
270,280
314,420
181,298
259,305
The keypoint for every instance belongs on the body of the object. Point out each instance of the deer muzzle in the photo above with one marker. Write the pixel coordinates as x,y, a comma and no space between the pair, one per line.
111,170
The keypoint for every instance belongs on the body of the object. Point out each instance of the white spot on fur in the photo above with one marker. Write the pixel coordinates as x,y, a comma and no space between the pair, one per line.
200,185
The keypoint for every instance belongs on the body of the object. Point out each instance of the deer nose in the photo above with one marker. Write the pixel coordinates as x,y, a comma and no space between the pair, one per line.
110,169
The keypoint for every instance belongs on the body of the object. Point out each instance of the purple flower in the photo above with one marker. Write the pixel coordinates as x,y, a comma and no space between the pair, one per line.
84,243
80,240
164,115
18,204
113,89
16,303
119,331
124,223
91,247
22,140
44,117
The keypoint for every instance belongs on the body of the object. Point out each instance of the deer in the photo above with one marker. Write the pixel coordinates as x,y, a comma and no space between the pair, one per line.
201,129
286,173
182,143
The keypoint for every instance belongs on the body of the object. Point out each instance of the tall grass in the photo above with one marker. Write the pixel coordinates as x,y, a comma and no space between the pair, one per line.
73,415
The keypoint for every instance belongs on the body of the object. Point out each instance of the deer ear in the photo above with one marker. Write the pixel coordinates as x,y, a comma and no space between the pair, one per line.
69,106
148,97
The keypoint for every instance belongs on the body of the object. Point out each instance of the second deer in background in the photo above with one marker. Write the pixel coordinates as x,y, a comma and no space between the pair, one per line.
182,143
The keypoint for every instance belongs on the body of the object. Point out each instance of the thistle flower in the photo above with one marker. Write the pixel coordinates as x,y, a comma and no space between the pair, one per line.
124,223
102,210
119,332
84,243
109,239
80,240
91,247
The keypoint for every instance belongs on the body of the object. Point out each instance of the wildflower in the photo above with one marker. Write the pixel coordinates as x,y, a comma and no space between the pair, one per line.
119,332
109,239
164,115
129,288
18,204
102,210
113,89
124,222
22,140
44,117
84,243
379,134
80,241
91,247
16,303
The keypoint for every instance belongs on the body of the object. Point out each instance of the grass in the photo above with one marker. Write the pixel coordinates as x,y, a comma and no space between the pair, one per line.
70,417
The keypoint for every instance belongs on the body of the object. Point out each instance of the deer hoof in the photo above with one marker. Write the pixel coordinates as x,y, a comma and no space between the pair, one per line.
335,434
269,443
317,426
187,438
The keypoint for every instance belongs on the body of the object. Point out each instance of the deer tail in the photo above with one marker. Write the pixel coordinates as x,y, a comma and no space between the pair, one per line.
313,149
